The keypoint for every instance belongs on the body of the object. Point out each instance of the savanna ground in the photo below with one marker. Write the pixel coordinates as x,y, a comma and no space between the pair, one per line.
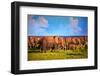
57,54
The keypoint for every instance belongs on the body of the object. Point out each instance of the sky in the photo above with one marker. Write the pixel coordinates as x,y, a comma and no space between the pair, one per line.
47,25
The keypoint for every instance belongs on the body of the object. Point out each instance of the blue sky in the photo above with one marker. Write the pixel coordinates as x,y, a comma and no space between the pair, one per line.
43,25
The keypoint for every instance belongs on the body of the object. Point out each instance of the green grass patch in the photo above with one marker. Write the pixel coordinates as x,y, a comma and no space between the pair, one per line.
58,54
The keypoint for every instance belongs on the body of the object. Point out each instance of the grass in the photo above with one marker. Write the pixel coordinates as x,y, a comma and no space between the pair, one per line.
58,54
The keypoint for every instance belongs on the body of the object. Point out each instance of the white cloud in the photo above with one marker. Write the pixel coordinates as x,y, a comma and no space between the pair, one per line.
31,21
37,26
74,23
43,21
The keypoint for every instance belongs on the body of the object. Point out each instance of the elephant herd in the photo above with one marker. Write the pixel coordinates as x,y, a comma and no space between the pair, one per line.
53,43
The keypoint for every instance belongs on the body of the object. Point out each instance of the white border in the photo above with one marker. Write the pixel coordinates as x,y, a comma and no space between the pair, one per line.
26,65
